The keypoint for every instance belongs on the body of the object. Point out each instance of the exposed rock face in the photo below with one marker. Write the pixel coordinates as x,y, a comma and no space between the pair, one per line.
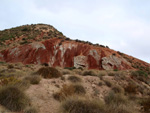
80,61
66,53
113,62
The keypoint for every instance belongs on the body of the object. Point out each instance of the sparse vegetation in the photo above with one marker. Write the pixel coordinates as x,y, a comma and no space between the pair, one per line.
89,72
30,110
49,72
34,79
81,105
131,88
13,98
108,83
69,90
118,89
74,79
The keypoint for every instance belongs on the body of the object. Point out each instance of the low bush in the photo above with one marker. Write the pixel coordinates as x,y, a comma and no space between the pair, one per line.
118,89
145,103
89,72
70,68
81,105
34,79
113,98
10,66
69,90
108,83
118,103
9,81
74,79
30,110
49,72
131,88
13,98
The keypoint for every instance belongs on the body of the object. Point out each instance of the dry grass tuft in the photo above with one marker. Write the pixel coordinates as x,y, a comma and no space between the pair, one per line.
81,105
30,110
118,89
108,83
49,72
74,79
13,98
131,88
146,105
34,79
69,90
89,72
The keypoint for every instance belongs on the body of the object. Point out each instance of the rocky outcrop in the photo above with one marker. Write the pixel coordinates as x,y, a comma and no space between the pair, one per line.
113,62
67,53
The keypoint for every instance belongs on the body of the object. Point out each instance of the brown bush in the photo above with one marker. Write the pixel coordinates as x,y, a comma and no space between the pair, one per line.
74,79
34,79
81,105
118,89
13,98
68,90
131,88
146,104
108,83
89,72
49,72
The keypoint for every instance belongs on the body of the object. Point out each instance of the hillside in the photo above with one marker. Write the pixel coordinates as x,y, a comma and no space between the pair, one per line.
38,44
43,71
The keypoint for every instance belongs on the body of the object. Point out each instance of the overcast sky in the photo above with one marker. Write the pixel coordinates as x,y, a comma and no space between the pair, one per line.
123,25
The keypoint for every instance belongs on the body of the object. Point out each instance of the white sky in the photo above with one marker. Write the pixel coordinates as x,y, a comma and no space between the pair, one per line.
123,25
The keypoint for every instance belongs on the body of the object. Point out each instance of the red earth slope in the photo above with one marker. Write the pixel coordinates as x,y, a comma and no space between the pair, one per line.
69,53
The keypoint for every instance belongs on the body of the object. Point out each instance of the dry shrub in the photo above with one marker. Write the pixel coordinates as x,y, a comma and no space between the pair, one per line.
34,79
146,104
30,110
89,72
101,73
118,89
74,79
78,71
23,85
66,71
13,98
108,83
118,103
68,90
49,72
81,105
10,66
131,88
9,80
113,98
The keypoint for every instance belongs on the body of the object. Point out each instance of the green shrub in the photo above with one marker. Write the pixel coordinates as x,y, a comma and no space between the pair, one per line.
13,98
69,90
49,72
74,79
70,68
80,105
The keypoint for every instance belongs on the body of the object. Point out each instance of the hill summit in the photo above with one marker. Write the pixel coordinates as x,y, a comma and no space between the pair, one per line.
41,43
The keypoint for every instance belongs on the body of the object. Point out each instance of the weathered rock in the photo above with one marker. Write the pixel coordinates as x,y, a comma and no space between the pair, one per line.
68,53
113,62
